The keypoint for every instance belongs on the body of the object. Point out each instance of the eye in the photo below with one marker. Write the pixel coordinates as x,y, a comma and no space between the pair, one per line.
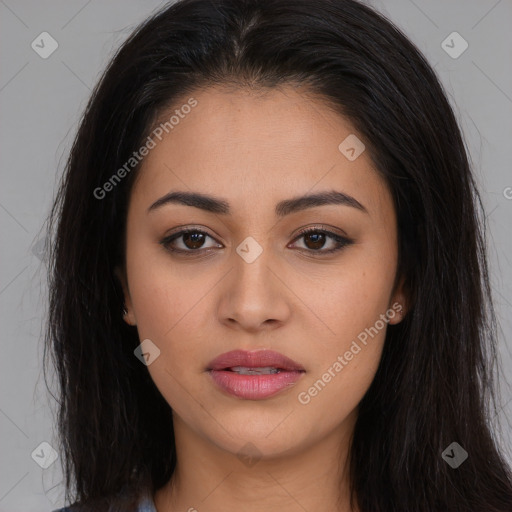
315,239
192,240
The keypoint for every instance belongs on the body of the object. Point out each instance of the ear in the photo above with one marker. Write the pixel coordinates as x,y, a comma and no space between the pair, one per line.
129,316
399,303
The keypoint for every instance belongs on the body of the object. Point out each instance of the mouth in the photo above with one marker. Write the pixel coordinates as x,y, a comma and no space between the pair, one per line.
254,375
243,370
262,360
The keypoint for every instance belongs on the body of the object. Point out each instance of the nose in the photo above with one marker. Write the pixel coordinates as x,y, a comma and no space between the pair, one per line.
254,296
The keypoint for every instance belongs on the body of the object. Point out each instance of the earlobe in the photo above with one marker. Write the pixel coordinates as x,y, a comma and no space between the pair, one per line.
396,312
399,304
127,312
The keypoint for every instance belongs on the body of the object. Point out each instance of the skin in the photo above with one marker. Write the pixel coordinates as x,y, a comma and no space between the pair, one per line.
254,150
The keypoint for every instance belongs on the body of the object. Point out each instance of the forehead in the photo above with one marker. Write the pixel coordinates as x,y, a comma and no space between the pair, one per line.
242,143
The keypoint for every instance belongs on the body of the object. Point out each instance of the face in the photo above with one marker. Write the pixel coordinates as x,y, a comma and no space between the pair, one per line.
245,277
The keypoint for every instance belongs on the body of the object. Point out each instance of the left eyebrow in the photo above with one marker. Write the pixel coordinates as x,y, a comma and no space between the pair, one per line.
221,206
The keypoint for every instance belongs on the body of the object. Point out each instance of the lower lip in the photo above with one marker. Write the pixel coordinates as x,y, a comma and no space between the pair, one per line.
254,387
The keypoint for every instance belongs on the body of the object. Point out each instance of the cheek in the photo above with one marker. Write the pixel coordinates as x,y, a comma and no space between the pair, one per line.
166,306
352,304
161,293
353,297
338,391
344,362
168,311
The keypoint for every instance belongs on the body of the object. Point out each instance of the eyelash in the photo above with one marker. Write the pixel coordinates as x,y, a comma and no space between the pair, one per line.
341,241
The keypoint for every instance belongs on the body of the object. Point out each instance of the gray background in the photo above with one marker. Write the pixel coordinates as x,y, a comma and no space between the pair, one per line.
41,101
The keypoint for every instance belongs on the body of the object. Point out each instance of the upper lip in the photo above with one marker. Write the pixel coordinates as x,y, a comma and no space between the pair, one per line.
255,359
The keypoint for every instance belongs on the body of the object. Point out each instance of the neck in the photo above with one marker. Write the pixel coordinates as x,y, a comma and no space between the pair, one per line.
210,479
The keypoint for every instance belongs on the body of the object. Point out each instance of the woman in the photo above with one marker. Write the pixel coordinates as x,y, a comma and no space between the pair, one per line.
269,286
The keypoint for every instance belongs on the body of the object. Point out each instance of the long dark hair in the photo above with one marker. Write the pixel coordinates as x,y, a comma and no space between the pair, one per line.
434,385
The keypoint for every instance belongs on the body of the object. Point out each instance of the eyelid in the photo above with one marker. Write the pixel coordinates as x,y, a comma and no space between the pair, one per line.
342,240
178,233
324,228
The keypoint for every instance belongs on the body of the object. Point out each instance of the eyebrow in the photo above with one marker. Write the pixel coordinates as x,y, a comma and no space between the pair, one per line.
221,206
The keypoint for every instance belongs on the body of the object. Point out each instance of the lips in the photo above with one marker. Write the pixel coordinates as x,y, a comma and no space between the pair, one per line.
254,375
257,359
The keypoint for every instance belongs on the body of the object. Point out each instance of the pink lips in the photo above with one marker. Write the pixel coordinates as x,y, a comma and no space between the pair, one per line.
254,387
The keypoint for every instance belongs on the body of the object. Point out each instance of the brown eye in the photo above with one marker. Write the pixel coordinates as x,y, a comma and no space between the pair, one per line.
314,240
193,240
187,241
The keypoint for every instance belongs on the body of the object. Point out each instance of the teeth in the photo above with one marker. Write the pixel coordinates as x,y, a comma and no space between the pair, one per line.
242,370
